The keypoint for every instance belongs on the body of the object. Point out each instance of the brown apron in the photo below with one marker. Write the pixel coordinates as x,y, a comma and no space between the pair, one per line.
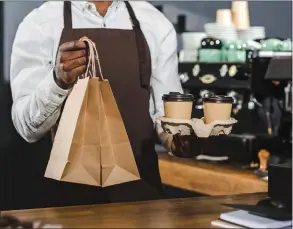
126,63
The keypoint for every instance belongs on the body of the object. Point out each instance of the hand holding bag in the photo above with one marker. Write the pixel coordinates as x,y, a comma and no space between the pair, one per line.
91,145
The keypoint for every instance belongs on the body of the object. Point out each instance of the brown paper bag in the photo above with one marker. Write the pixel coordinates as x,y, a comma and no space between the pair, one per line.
91,145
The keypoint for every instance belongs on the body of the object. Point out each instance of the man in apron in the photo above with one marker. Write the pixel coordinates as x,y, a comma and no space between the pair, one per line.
138,53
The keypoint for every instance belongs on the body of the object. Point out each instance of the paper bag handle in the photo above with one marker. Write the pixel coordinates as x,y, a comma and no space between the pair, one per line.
93,57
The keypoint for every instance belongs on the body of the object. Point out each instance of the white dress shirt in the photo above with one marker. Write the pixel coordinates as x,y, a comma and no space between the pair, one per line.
37,99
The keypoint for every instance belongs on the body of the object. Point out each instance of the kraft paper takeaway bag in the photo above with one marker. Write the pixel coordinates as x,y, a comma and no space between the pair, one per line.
91,145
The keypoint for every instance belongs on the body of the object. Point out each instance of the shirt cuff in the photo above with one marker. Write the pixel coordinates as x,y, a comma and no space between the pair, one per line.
50,91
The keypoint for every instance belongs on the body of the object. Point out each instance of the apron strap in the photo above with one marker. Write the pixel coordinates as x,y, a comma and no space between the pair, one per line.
67,15
144,56
135,22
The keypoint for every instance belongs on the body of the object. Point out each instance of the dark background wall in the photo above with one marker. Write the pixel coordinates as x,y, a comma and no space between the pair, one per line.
275,16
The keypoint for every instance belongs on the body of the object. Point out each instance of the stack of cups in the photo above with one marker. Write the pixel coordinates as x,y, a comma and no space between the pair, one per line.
252,33
223,29
240,14
224,17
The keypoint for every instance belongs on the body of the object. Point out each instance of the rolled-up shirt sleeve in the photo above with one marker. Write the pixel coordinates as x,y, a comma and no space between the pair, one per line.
165,76
36,97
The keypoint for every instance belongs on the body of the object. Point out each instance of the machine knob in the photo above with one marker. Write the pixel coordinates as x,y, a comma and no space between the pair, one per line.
263,157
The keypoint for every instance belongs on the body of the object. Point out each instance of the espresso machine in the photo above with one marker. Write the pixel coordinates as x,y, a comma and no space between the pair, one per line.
262,92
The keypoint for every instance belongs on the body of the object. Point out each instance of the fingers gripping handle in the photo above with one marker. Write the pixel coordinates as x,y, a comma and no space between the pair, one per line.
93,56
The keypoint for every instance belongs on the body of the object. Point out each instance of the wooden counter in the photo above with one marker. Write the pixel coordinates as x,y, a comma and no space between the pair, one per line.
207,178
191,212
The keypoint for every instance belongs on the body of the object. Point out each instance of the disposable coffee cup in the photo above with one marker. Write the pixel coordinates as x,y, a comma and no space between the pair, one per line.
217,108
177,105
